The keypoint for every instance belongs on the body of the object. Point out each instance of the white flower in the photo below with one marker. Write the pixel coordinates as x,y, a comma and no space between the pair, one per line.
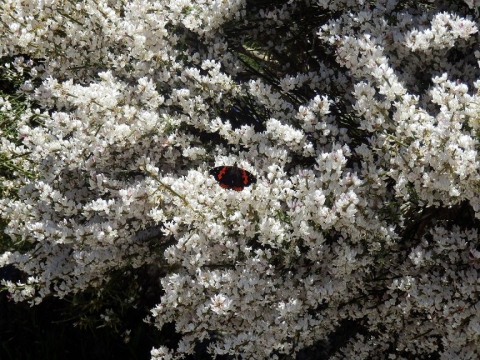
220,304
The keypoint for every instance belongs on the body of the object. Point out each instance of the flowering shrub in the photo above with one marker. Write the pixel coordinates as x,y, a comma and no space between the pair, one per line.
359,121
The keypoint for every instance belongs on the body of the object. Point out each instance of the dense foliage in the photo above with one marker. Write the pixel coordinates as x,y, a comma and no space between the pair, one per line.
359,119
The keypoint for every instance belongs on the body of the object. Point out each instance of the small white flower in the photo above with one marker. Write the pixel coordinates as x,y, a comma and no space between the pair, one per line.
220,304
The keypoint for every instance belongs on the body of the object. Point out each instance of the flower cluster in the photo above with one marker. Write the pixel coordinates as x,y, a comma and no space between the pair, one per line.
361,225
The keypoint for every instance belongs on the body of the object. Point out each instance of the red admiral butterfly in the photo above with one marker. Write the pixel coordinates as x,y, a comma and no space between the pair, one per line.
232,177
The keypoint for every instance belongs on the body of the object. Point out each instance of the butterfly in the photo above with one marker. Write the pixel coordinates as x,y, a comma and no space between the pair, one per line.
233,177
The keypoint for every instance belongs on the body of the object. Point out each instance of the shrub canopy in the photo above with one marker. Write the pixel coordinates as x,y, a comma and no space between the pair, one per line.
358,119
